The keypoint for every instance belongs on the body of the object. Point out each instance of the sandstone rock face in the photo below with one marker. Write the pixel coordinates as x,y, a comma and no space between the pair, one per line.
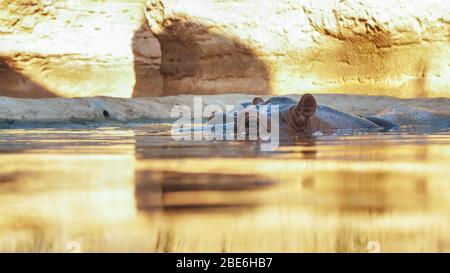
133,48
398,48
203,56
77,48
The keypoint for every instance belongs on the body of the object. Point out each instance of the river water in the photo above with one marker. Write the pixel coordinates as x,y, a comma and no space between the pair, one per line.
133,189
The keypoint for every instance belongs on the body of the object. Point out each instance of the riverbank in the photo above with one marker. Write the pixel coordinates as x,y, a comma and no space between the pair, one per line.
98,109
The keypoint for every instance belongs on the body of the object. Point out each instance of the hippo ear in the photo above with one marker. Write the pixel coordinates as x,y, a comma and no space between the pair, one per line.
213,114
307,105
257,100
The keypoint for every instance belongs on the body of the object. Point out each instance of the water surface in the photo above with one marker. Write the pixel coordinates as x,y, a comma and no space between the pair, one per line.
136,189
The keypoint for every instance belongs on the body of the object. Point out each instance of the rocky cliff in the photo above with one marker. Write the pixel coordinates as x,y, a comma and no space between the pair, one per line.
76,49
129,48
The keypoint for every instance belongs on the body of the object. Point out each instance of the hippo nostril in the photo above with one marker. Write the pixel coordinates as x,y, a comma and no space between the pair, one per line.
106,114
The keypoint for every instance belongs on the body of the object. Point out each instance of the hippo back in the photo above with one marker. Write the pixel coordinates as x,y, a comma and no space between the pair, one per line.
339,120
283,103
404,114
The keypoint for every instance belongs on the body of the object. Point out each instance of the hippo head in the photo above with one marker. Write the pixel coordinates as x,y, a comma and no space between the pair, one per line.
293,119
294,116
297,116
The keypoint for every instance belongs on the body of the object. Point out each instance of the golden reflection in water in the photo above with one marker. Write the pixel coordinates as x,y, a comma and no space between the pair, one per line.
115,190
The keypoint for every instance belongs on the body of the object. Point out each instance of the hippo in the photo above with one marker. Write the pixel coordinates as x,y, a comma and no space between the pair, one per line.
307,117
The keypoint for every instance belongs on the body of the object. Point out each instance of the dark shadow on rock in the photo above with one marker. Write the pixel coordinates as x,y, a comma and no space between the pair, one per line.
196,60
15,84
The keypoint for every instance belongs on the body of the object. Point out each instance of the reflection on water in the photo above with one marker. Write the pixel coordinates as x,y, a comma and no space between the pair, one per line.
136,189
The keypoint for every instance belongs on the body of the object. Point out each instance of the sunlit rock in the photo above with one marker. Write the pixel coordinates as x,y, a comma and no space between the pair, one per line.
397,48
170,47
77,49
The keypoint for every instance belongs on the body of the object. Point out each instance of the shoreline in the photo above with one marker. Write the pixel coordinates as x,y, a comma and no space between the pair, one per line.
123,110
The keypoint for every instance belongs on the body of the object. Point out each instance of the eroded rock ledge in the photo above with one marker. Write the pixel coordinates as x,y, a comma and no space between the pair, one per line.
134,48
